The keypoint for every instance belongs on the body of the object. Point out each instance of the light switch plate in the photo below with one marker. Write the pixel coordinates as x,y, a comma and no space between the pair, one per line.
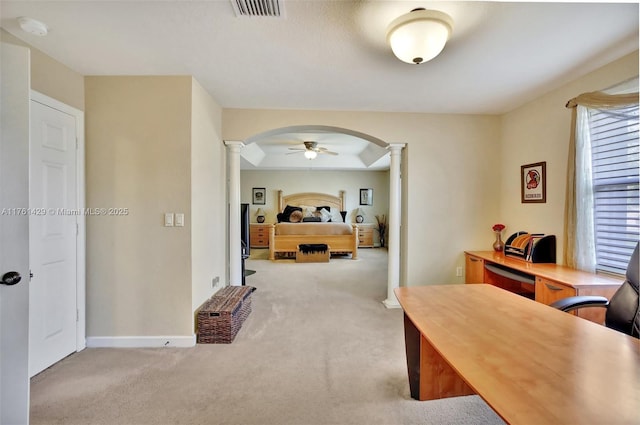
168,219
179,219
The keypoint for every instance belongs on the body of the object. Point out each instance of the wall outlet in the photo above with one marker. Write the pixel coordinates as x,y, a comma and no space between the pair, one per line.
215,281
458,271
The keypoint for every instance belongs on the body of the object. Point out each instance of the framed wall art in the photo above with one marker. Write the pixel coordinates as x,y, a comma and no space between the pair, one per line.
259,195
366,196
533,182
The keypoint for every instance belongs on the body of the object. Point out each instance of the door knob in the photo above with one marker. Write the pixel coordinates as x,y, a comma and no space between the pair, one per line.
11,278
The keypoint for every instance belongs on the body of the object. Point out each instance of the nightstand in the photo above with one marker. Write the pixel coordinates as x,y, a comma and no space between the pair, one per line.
365,235
259,235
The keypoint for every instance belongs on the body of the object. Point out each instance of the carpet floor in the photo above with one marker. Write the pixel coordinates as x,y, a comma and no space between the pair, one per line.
318,348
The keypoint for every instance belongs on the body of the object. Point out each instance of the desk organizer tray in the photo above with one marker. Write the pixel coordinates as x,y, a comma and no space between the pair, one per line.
532,247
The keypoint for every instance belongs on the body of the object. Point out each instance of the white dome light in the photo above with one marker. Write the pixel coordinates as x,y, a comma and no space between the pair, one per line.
310,154
33,26
419,35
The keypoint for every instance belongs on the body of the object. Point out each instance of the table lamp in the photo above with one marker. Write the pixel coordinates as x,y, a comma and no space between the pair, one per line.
260,215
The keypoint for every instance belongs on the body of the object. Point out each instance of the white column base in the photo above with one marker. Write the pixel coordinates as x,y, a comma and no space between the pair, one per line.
391,303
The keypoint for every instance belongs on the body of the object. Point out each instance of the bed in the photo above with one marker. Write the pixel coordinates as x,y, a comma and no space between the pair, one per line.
284,237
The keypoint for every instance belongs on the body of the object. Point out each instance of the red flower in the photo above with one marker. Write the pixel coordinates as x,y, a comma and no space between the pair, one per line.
498,227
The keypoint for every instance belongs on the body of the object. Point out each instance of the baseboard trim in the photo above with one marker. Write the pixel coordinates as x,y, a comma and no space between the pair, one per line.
140,341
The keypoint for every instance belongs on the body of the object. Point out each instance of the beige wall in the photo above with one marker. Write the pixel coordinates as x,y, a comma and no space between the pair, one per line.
450,174
331,182
51,77
208,192
138,156
539,131
452,180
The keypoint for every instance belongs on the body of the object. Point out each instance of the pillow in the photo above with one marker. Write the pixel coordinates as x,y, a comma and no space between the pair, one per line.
325,215
328,209
296,216
307,211
286,213
335,216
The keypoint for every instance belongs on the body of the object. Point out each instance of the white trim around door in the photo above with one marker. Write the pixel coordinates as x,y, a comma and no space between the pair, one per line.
81,222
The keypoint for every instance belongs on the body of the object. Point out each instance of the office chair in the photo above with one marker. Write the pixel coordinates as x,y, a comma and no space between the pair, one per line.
623,310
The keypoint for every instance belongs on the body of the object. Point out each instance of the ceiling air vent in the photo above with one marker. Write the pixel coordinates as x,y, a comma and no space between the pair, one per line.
264,8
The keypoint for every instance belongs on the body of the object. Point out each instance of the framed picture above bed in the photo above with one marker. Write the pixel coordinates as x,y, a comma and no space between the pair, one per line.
259,195
366,196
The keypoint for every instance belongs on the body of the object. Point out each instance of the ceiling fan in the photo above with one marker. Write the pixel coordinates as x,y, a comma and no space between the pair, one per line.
311,150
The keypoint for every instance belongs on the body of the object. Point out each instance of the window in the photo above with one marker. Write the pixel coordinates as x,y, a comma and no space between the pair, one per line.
615,178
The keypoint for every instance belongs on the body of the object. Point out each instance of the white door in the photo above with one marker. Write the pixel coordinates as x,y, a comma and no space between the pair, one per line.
53,232
14,233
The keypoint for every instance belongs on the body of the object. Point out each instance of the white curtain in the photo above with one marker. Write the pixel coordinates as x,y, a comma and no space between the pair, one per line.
585,246
579,230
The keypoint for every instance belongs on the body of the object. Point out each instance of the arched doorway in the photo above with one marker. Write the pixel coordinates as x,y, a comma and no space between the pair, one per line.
357,150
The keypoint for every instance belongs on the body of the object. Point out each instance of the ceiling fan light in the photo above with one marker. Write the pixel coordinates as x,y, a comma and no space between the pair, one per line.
419,35
310,154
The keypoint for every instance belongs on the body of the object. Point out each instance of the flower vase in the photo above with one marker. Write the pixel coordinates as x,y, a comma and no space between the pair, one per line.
498,245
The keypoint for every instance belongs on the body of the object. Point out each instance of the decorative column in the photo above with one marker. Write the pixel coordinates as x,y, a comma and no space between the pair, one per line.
393,277
235,245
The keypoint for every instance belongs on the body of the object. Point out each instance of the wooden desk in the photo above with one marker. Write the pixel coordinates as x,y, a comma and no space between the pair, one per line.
531,363
549,283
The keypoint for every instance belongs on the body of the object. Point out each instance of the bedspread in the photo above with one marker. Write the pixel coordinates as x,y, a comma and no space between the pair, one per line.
313,229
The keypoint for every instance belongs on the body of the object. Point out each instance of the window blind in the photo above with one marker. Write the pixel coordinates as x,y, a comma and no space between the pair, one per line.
615,156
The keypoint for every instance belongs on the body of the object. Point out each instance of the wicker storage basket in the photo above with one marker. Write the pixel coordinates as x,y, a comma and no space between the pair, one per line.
241,292
221,317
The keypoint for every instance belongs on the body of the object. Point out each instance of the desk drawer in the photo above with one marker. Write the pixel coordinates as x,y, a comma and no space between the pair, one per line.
548,291
474,269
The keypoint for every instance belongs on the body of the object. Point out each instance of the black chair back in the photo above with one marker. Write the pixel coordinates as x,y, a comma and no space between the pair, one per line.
623,313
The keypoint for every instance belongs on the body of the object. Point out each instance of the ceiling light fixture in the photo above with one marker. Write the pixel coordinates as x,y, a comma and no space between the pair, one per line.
33,26
419,35
310,154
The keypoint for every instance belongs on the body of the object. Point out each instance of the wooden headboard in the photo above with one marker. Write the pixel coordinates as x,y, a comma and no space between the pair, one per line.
312,199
